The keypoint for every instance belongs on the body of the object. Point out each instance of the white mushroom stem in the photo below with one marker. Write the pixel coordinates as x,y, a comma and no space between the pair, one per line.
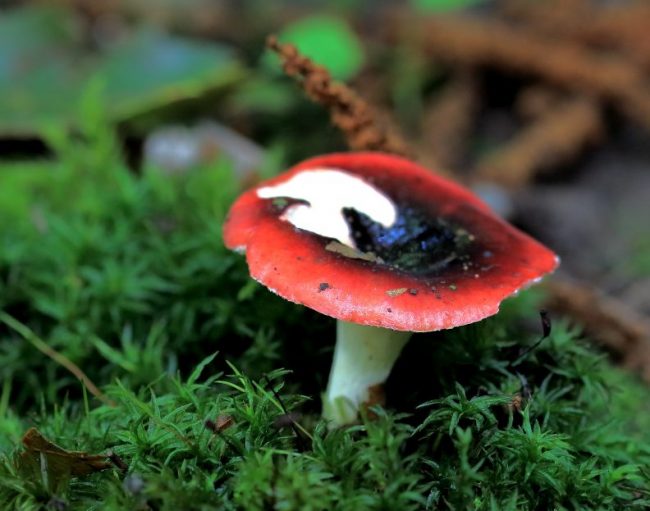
363,358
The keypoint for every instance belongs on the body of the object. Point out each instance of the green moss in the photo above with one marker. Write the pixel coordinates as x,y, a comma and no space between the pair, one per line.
133,284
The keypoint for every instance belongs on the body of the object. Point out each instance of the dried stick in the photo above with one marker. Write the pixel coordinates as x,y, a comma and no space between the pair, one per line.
359,122
607,320
568,65
557,136
619,27
40,345
448,122
536,100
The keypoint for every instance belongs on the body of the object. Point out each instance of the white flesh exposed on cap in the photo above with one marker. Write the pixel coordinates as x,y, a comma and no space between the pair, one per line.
328,191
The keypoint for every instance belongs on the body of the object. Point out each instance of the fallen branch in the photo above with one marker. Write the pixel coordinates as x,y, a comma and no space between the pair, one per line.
536,100
469,42
622,27
607,320
359,123
556,137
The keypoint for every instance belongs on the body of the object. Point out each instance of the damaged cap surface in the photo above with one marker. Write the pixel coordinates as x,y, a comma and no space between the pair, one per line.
378,240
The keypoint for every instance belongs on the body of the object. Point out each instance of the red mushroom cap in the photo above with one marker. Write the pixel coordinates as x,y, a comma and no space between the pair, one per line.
488,259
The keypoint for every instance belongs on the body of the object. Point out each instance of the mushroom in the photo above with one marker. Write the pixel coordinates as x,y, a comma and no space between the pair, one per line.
387,248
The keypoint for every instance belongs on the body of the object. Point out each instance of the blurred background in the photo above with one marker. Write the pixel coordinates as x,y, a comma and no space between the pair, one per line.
542,107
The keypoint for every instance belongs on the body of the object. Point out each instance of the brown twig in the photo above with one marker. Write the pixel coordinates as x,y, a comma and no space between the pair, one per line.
535,100
359,122
621,27
40,345
556,137
470,42
448,122
607,320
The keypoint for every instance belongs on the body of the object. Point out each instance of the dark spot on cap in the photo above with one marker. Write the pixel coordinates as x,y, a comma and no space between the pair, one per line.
436,292
323,286
413,291
389,309
417,242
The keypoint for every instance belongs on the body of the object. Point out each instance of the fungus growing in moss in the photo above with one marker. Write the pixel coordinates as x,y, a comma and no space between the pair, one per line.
387,248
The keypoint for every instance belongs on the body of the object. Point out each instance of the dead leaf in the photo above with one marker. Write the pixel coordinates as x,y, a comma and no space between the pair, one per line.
54,464
222,423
